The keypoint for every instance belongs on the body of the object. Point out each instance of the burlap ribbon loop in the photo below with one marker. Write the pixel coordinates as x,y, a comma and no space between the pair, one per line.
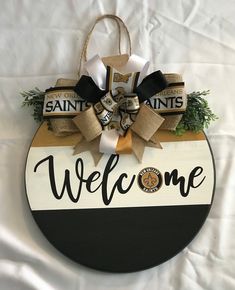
88,124
147,122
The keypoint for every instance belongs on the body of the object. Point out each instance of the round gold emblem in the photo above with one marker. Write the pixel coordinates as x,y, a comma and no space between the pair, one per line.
149,179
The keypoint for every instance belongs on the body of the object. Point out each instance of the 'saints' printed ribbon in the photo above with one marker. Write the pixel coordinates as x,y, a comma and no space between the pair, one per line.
117,111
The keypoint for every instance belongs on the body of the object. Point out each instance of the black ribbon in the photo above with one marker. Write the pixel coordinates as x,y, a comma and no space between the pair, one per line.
87,89
152,84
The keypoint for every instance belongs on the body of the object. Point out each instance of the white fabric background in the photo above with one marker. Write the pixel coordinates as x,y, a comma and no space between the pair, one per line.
40,41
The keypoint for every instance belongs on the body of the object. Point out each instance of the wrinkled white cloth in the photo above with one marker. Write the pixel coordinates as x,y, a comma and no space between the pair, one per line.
40,41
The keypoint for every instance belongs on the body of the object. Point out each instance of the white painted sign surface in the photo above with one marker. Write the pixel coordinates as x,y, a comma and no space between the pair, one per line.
183,156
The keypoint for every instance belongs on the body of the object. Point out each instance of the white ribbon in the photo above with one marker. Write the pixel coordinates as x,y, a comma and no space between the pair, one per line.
136,64
97,70
108,141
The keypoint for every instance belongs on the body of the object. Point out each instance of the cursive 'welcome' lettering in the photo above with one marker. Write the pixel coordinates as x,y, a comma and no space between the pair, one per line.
94,176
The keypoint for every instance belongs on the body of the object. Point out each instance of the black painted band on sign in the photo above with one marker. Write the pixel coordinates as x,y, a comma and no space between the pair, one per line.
122,239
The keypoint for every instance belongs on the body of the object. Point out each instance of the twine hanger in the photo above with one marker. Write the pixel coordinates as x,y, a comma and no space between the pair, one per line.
120,25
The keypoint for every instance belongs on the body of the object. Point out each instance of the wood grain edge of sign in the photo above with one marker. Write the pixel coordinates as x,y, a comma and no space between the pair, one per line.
46,138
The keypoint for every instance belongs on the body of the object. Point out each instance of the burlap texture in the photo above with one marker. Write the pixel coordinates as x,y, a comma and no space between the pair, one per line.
88,124
146,123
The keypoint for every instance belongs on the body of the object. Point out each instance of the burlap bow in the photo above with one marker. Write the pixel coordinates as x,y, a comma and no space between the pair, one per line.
117,117
114,121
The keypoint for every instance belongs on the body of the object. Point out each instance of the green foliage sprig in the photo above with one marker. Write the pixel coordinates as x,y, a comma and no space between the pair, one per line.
197,116
34,98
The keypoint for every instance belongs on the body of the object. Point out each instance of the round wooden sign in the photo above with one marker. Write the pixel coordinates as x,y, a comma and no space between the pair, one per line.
120,216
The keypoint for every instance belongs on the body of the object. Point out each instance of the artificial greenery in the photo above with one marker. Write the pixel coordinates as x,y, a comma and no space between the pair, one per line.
197,116
34,98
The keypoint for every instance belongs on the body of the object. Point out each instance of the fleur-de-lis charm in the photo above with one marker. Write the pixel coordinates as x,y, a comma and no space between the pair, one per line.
120,78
